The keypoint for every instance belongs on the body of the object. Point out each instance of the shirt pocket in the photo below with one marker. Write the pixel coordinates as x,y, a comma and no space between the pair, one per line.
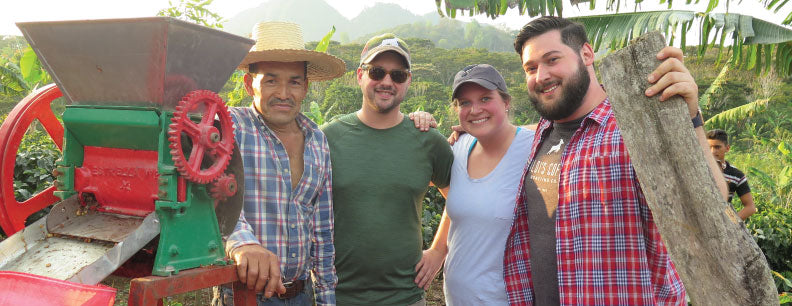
308,188
503,206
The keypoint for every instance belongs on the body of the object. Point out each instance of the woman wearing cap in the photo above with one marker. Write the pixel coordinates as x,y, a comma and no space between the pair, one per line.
488,164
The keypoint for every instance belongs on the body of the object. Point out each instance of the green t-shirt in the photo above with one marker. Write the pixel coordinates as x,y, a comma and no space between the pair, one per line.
379,181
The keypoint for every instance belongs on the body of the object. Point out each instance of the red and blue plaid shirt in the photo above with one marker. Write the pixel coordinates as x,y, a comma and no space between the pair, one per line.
608,248
295,224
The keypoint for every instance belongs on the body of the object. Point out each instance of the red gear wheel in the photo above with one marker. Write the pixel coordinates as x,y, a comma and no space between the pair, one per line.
34,107
205,137
224,188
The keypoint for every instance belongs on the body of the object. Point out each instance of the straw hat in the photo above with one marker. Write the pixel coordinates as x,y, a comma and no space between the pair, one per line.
283,42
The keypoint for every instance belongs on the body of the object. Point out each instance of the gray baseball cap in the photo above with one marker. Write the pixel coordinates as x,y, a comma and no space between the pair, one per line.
482,74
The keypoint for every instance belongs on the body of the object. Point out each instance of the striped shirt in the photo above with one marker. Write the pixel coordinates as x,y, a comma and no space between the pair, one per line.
296,225
608,248
736,180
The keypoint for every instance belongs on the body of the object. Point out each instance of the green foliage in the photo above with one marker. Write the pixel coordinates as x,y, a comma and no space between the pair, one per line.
755,44
778,185
12,83
450,34
341,98
615,31
434,203
495,8
741,112
315,114
35,161
771,229
20,72
234,89
783,282
325,42
769,173
195,11
31,69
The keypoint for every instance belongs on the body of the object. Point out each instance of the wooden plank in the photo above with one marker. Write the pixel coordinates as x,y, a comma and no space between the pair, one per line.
716,257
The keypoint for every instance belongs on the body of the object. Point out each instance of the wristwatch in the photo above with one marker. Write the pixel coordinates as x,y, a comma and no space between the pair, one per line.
698,121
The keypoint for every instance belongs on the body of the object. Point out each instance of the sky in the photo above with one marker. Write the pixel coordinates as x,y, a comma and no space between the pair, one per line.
12,11
38,10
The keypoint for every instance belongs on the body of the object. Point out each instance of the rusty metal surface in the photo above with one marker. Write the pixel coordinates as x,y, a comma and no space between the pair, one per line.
35,250
98,226
95,272
149,290
150,62
69,218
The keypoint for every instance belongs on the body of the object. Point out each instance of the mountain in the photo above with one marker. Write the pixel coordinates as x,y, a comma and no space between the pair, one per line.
317,18
379,17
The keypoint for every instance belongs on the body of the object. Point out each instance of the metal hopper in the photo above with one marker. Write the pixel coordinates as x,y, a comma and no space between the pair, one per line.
134,62
123,80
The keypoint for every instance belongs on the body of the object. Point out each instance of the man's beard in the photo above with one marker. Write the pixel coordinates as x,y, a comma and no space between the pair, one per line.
573,91
395,101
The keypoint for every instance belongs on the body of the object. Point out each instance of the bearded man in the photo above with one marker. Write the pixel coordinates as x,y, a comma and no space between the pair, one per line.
583,233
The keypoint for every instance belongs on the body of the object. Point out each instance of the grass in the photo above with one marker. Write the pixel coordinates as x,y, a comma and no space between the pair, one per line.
199,297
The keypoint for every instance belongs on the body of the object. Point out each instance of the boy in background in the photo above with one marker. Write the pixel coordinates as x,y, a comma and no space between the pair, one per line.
719,145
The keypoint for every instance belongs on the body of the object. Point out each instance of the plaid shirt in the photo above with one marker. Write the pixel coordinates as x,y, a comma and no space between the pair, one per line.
296,225
608,249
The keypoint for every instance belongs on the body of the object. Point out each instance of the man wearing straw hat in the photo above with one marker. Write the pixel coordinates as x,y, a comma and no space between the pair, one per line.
285,231
382,166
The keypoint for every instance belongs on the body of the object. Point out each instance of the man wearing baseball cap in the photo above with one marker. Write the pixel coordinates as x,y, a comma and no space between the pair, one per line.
382,166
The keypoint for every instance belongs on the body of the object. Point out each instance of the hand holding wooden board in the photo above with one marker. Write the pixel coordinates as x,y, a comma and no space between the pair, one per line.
716,257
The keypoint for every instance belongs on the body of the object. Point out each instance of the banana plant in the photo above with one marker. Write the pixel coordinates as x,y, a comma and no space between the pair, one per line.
756,44
19,78
11,81
779,183
733,115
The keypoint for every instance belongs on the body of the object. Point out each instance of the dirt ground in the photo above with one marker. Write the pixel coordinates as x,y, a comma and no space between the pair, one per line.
435,294
434,297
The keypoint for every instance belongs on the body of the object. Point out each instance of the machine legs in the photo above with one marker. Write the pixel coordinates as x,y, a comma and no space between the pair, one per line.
150,290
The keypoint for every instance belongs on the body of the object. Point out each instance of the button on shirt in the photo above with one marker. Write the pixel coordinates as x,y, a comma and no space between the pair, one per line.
295,224
608,248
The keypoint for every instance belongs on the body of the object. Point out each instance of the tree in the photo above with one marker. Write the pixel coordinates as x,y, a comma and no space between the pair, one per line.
193,11
768,45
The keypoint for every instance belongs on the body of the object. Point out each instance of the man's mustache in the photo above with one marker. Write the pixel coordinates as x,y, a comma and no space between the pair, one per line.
281,101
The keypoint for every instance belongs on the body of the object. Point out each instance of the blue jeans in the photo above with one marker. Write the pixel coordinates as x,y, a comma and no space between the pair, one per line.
224,296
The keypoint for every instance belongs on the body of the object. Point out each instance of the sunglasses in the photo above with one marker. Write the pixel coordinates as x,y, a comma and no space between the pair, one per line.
378,73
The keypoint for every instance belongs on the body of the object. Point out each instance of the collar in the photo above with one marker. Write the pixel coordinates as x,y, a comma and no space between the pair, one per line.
306,125
599,116
725,165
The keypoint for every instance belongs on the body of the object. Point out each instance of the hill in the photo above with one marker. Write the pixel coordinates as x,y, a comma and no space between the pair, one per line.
317,18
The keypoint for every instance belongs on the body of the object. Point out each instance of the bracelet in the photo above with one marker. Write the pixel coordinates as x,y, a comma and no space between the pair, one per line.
697,121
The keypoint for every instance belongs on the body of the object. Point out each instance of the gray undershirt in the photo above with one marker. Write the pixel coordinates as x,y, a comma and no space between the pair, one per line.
541,194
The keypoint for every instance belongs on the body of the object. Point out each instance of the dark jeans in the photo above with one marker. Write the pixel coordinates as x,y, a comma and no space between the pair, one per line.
224,296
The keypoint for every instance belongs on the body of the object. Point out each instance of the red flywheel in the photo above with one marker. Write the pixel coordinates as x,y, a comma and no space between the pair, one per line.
36,106
211,146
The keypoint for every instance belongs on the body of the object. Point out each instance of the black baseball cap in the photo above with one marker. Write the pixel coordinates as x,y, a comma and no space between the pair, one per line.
482,74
